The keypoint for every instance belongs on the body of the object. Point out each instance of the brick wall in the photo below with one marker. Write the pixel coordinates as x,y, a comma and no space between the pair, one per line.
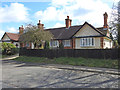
101,42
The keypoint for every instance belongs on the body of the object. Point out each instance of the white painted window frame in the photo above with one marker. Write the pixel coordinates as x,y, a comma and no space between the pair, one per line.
54,43
67,43
86,42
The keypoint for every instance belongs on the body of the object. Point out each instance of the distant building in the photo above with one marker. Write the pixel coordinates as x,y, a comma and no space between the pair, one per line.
11,38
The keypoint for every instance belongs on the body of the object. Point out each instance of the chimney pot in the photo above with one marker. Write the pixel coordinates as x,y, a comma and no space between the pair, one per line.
67,17
39,21
105,14
105,20
40,26
68,22
21,30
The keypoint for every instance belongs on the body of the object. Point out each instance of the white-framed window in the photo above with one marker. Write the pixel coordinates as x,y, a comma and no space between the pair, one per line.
66,43
54,43
87,42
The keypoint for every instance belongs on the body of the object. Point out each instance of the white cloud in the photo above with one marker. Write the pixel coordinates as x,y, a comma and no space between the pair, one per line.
12,30
9,29
114,0
50,14
59,3
47,15
58,25
78,10
1,33
16,12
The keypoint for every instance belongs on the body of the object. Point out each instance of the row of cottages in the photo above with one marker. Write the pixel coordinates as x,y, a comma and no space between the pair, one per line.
83,36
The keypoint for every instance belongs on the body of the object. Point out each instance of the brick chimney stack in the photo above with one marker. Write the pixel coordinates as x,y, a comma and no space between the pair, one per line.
21,29
40,26
105,20
68,22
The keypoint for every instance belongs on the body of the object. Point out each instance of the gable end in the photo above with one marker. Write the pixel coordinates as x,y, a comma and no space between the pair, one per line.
100,33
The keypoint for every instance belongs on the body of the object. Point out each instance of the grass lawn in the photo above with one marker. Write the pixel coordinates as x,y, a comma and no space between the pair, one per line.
72,61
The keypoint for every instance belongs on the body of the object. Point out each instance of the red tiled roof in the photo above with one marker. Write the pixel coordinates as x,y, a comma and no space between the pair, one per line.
13,36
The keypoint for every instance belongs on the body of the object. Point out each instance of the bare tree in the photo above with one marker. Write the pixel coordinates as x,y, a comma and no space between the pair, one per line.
115,24
118,27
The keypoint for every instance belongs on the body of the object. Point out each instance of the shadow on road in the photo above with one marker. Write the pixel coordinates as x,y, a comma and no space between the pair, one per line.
60,78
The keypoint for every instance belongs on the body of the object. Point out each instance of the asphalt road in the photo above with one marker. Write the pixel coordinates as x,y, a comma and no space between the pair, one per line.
21,75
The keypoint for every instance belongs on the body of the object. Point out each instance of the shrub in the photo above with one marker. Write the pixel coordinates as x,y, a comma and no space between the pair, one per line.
7,48
14,50
0,48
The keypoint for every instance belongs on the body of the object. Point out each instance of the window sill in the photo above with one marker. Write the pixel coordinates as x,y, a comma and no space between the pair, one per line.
67,46
86,46
55,46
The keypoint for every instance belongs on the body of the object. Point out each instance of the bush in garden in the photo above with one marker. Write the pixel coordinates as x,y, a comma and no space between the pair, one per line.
14,50
7,48
0,48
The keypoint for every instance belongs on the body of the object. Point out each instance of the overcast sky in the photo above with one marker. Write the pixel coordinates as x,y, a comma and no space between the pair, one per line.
52,13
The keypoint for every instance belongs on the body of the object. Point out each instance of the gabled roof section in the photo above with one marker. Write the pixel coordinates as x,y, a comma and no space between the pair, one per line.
68,33
102,30
12,36
101,33
63,32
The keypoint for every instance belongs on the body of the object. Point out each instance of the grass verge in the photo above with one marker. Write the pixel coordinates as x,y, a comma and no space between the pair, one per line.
104,63
4,56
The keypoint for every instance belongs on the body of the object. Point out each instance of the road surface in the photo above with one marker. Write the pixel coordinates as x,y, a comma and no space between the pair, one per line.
22,75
